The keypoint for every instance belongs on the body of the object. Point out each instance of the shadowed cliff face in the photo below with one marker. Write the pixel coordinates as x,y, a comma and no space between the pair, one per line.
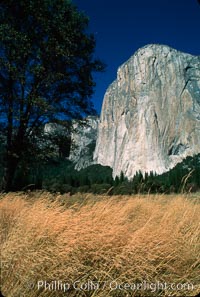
83,142
150,118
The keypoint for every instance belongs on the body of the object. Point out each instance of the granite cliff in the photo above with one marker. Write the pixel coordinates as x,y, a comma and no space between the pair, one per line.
83,140
150,118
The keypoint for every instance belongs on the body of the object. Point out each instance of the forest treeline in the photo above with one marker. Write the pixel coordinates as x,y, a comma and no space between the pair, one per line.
59,175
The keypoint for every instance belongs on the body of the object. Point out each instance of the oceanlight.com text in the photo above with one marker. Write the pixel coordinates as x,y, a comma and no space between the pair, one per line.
114,285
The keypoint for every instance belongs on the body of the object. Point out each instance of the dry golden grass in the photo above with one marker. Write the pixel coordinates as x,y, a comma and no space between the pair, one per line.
99,241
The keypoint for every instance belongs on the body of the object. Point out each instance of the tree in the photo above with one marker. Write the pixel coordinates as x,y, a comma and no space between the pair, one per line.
46,66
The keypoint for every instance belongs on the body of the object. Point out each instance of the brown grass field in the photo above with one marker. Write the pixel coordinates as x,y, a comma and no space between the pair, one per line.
86,245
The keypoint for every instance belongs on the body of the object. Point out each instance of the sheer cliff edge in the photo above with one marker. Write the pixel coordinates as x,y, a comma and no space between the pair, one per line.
150,118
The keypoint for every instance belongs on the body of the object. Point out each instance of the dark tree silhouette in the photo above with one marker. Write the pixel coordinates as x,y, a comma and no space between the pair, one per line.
46,66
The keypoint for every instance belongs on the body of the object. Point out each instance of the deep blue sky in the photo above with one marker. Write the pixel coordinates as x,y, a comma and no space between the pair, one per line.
121,27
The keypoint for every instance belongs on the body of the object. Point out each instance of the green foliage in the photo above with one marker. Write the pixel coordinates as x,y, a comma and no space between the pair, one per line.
91,179
185,176
100,188
56,186
97,174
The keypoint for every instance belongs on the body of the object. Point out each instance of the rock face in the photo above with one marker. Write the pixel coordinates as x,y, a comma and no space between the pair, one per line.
83,142
56,138
150,117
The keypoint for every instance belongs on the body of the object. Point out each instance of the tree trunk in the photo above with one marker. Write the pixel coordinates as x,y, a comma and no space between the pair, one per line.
9,173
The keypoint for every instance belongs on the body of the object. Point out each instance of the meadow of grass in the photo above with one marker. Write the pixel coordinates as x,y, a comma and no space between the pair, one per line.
86,245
